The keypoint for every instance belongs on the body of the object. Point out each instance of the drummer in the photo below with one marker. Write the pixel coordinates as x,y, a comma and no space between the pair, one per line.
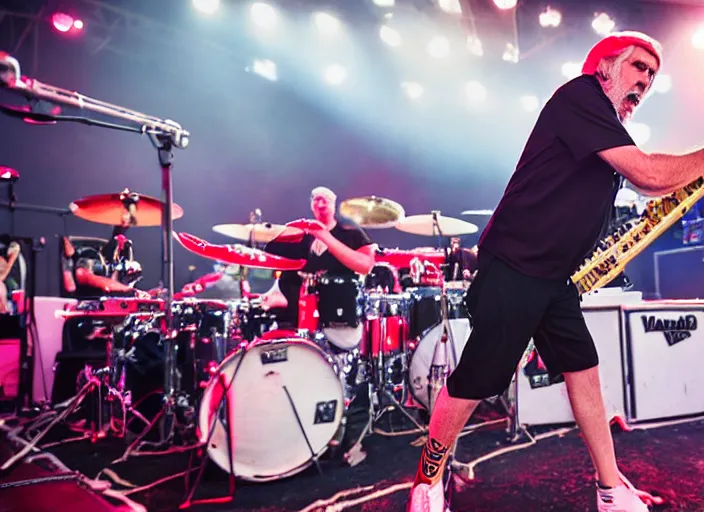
337,247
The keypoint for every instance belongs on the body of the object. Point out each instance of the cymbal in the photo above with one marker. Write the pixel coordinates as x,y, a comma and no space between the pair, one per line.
372,211
237,254
424,225
262,233
478,212
110,209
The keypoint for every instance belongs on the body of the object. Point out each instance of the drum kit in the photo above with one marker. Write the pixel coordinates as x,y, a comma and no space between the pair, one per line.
267,402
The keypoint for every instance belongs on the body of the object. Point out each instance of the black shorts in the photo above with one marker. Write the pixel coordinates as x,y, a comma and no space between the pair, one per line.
507,309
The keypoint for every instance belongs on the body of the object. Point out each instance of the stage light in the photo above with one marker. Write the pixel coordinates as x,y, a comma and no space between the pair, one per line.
335,74
474,45
603,24
511,53
639,132
264,15
439,47
550,18
326,23
475,91
662,83
389,36
698,39
451,6
78,24
530,103
571,70
62,21
413,90
505,4
266,69
206,6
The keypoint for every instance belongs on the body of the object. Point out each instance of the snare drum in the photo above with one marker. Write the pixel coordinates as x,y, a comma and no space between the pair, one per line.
283,403
426,332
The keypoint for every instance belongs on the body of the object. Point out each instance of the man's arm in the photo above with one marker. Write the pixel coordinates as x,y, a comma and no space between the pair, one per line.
655,174
361,260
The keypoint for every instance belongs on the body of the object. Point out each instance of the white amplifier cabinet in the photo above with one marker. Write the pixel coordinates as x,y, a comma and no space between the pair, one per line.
541,402
664,355
47,345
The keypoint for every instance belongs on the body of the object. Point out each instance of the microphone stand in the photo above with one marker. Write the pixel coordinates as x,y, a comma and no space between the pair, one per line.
165,135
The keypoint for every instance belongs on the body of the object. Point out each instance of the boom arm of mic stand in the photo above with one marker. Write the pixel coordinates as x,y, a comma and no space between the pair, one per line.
39,117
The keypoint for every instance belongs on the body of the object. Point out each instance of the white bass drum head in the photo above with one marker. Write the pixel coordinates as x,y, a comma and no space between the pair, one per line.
267,439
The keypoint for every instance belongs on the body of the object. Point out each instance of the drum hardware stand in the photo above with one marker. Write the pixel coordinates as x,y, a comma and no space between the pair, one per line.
374,414
70,407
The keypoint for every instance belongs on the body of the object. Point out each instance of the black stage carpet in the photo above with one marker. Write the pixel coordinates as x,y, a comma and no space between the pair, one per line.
554,474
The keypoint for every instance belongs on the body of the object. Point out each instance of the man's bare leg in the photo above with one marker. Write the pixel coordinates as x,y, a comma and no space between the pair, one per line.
449,417
588,408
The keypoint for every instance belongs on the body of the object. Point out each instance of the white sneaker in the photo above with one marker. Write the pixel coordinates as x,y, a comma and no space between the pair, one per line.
619,499
427,498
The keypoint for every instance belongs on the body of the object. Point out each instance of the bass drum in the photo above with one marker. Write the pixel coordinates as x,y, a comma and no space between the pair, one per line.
284,406
426,310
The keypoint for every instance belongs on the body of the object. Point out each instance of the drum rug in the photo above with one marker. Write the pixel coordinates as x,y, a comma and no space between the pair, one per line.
549,469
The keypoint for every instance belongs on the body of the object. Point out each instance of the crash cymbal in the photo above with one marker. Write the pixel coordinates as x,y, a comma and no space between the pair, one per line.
262,233
112,208
372,211
237,254
425,225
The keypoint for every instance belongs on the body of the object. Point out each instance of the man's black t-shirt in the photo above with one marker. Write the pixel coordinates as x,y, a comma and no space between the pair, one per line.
558,201
318,259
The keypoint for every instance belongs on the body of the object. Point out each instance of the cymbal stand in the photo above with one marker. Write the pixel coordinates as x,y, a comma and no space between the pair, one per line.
255,217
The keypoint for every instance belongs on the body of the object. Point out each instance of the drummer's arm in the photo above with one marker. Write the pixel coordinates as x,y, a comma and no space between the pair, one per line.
360,260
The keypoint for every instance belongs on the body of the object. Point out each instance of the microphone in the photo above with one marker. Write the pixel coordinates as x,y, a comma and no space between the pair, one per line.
8,174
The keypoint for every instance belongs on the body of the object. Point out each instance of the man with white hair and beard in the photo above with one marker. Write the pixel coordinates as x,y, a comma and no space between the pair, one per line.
552,213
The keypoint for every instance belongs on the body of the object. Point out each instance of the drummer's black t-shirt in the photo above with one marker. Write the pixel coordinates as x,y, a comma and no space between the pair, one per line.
318,259
558,201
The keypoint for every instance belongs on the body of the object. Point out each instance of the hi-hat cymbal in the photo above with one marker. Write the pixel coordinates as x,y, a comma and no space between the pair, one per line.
111,209
425,225
372,211
260,233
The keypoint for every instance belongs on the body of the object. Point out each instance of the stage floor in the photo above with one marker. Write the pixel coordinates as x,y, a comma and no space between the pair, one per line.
553,474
